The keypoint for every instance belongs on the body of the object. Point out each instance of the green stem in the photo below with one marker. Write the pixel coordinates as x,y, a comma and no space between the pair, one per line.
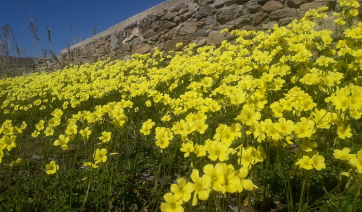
355,200
86,196
320,199
301,200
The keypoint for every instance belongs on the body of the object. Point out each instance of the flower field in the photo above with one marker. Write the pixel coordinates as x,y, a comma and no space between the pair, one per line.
266,121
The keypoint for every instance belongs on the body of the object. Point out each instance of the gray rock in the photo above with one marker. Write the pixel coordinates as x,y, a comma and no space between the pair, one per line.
159,26
180,18
259,17
220,3
171,44
149,34
125,47
183,10
227,14
161,46
201,42
205,2
296,3
327,24
100,43
240,22
209,20
132,35
282,13
114,42
205,11
178,7
170,34
271,6
285,21
253,6
269,25
315,5
147,26
189,28
168,16
261,1
141,49
200,33
214,38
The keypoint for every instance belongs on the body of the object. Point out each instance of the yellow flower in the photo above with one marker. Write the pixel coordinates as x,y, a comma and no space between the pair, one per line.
228,136
172,204
147,126
343,154
249,116
100,155
357,161
166,118
40,125
217,150
62,142
163,137
344,132
251,156
71,129
182,190
317,162
305,163
216,175
48,131
35,134
106,136
308,145
90,165
148,103
200,126
187,148
51,167
244,183
305,128
199,150
85,133
53,122
57,113
9,142
16,162
232,181
202,186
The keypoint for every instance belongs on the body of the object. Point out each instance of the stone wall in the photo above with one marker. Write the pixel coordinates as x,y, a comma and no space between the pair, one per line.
14,66
197,21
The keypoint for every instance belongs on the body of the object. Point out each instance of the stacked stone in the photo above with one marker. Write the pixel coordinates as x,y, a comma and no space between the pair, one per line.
198,21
